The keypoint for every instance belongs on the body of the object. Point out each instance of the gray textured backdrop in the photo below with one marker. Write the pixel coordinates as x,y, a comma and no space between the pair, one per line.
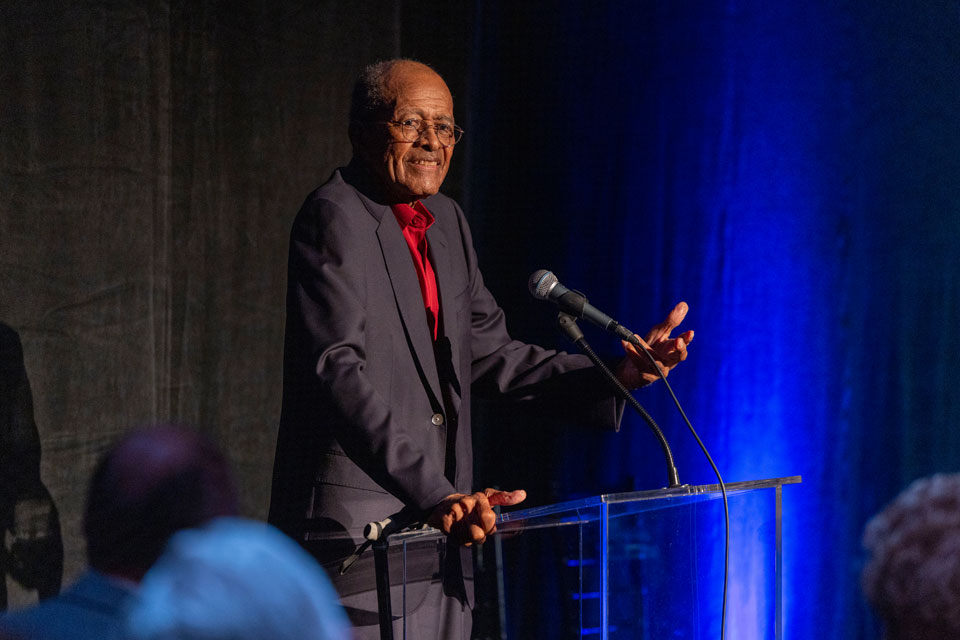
152,156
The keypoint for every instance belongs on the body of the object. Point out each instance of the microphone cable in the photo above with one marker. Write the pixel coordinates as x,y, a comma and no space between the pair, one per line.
544,285
723,488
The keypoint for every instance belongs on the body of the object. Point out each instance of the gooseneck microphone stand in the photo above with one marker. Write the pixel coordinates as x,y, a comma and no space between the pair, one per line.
377,535
568,325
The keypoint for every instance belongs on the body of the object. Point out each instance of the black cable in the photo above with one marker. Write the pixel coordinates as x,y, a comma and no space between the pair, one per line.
723,487
568,325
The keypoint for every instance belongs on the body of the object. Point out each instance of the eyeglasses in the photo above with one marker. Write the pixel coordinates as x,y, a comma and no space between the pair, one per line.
412,129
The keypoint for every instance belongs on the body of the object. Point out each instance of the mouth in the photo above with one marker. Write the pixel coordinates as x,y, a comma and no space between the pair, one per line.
425,164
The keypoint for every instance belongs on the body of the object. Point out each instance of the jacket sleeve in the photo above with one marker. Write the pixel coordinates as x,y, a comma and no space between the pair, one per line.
568,384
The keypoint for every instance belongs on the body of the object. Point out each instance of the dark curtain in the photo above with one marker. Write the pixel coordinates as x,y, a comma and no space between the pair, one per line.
788,169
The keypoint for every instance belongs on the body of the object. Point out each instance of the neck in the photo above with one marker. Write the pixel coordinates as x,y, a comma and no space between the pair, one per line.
357,174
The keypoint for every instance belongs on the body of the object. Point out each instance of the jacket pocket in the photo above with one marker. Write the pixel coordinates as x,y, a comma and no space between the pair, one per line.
336,468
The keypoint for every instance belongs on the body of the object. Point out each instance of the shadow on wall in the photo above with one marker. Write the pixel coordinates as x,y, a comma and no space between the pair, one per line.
31,549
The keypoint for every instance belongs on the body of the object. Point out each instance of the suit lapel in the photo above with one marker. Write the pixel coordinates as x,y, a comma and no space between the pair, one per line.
406,291
440,256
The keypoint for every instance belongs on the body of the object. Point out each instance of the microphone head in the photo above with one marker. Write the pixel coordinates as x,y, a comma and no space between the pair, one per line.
541,282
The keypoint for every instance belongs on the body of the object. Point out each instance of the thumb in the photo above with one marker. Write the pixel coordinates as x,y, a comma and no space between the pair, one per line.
505,498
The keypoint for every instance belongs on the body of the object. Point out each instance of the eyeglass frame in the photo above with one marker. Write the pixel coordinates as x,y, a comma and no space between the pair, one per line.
457,130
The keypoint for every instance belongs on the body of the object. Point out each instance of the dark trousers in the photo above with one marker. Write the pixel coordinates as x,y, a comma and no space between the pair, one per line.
434,603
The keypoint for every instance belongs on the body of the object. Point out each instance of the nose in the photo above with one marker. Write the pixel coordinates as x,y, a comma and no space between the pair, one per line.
429,138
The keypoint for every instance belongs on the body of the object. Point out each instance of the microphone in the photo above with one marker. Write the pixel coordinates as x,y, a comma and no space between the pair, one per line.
373,531
379,530
543,285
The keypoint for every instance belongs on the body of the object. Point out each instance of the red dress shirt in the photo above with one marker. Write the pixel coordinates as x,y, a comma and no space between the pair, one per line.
414,222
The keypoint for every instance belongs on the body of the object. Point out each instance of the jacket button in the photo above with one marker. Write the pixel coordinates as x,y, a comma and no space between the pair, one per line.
437,419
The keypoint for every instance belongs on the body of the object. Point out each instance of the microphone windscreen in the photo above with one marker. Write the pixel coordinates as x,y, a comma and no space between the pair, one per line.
540,283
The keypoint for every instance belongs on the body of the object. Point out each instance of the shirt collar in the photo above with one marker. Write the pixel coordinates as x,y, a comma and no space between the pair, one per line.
416,216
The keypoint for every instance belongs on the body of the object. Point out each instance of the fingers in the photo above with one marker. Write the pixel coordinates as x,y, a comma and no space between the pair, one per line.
447,513
634,370
456,511
480,511
637,370
505,498
662,331
677,352
642,359
672,351
667,355
650,375
676,316
479,520
467,519
633,350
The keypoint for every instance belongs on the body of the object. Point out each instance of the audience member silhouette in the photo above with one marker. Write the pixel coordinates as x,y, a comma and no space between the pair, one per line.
151,484
912,578
236,579
27,512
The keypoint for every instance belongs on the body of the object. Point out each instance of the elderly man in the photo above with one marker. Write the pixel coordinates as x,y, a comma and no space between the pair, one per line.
390,329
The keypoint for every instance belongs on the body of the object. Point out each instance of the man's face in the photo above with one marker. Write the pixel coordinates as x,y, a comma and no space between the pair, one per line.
407,171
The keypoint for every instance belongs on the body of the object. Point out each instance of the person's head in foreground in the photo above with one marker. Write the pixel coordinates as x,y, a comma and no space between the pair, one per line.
912,578
236,579
152,483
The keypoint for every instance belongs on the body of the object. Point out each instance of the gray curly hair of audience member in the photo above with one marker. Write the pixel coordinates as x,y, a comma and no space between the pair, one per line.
912,578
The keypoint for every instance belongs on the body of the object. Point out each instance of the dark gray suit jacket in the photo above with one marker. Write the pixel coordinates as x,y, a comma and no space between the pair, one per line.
375,414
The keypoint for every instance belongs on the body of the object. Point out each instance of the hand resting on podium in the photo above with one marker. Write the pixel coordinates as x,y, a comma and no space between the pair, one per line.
469,519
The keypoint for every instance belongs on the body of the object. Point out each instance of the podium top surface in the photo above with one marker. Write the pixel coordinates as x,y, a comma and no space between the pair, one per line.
632,502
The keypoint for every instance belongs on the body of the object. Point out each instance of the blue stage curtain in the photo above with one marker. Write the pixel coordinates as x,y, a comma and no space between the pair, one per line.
792,171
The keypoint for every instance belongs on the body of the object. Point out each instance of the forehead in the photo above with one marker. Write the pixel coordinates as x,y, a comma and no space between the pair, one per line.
420,92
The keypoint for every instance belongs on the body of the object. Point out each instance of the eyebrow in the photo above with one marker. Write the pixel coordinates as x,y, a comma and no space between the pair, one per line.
406,113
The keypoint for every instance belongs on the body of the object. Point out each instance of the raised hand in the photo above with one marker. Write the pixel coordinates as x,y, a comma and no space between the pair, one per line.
636,370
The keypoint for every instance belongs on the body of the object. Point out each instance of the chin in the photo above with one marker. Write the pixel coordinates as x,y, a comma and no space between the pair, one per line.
423,192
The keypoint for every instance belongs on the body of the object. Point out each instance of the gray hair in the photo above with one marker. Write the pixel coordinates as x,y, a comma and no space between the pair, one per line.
912,578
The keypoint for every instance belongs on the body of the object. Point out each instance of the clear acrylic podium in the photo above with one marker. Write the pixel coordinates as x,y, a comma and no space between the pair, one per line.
638,565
